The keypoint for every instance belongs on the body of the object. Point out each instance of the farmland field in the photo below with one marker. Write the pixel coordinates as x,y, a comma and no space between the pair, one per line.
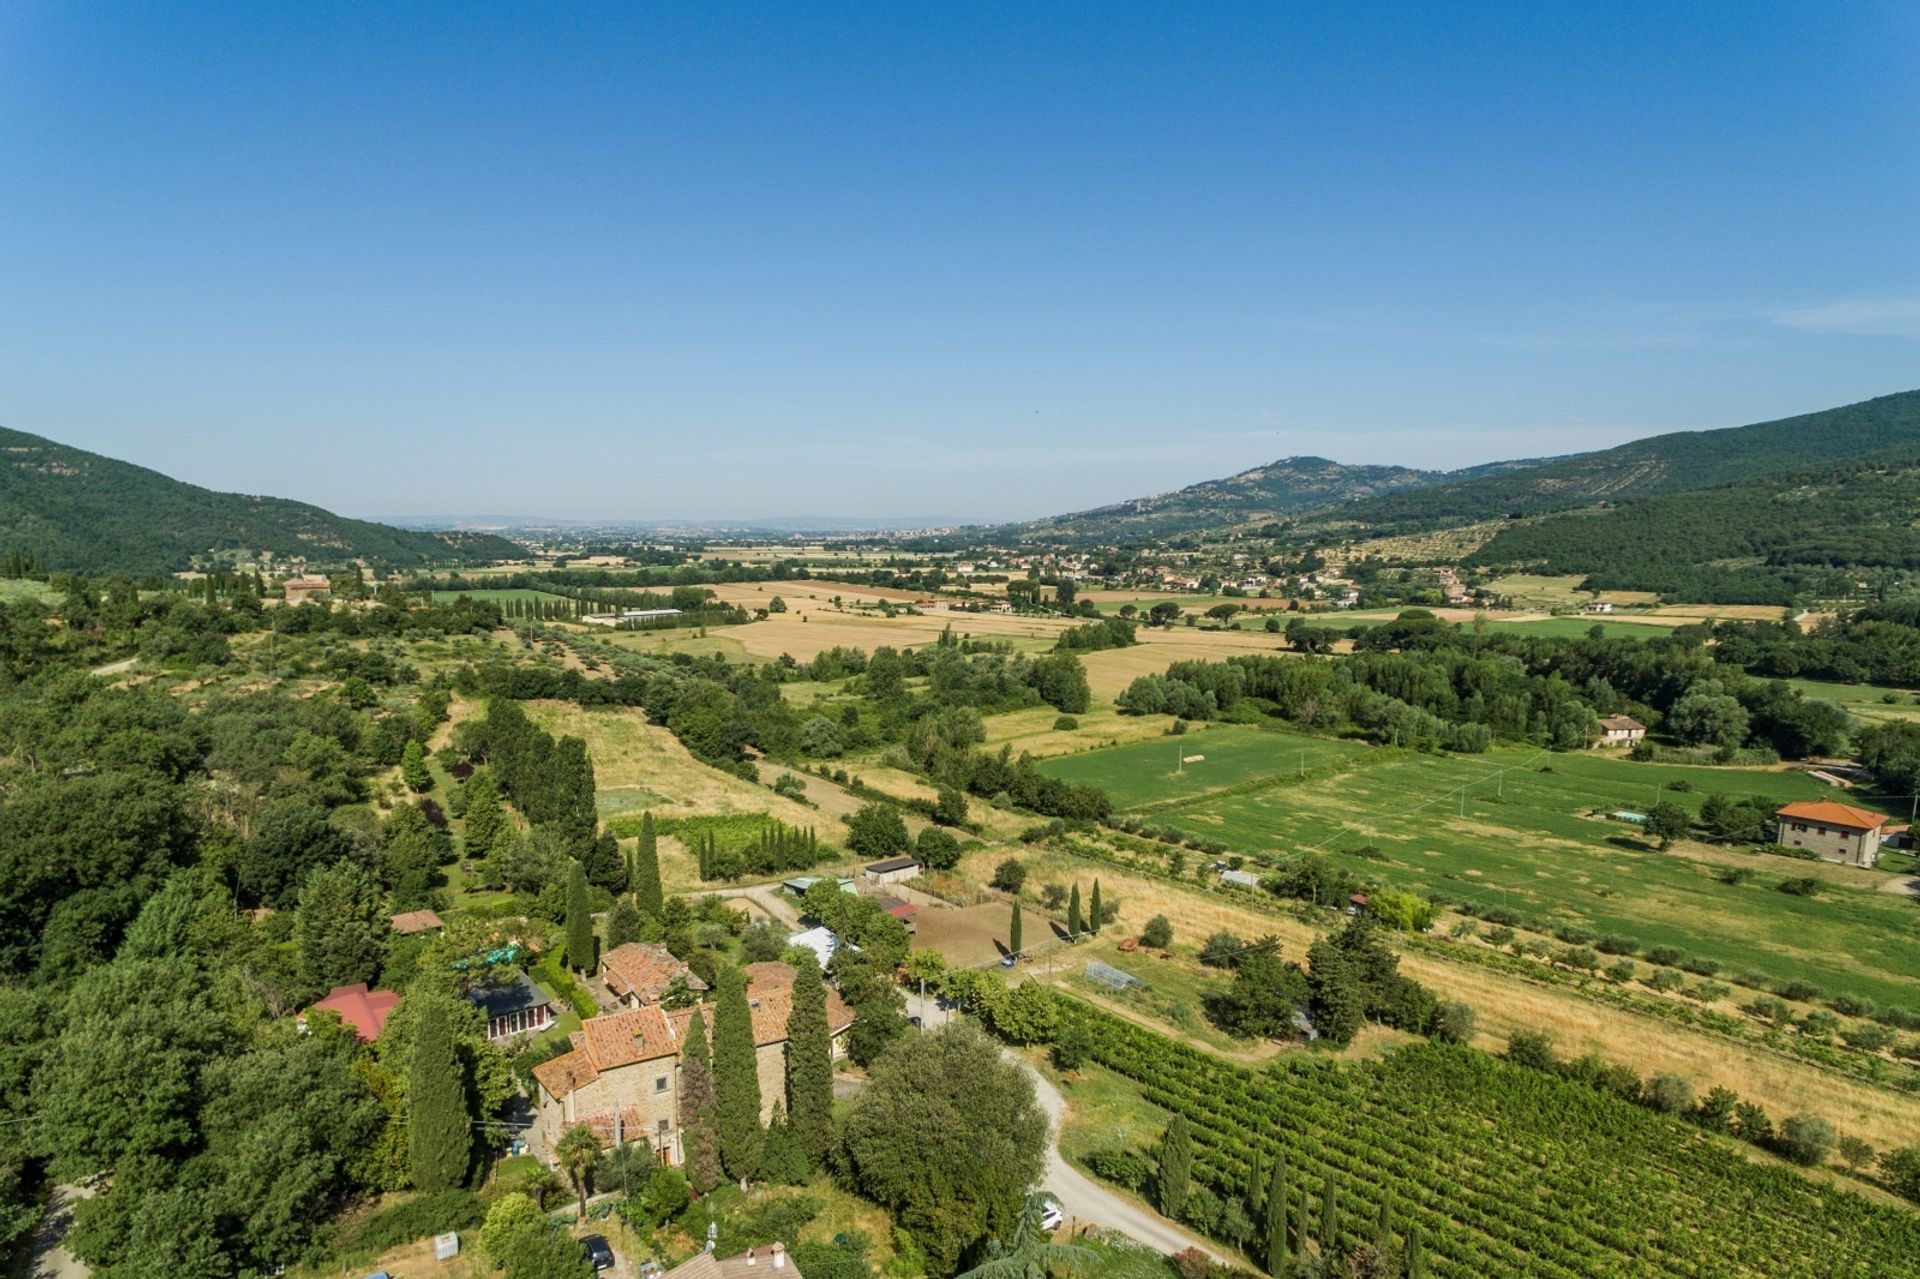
1867,701
1149,772
497,597
1496,830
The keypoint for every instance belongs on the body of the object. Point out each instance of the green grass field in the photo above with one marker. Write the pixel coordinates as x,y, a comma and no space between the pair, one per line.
1580,627
1497,830
1150,772
1494,829
25,589
1868,701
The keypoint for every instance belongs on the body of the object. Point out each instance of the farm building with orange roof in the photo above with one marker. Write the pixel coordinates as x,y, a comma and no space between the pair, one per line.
1838,832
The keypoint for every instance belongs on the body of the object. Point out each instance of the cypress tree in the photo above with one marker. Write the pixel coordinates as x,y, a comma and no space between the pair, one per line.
1278,1197
1173,1178
439,1131
699,1128
1075,924
579,920
1329,1218
1256,1192
1383,1229
1093,924
413,768
1416,1261
810,1063
736,1079
1013,929
486,820
1300,1224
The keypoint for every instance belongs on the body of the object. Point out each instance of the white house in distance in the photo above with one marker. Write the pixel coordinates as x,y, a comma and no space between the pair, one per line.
1600,606
1621,730
629,616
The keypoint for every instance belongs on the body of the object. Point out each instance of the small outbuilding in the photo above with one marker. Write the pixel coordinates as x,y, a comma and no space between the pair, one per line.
893,871
1621,730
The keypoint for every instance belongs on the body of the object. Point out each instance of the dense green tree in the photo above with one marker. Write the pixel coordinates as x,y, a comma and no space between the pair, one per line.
604,865
699,1108
487,826
1075,924
937,848
524,1244
439,1131
1013,930
1667,822
341,926
947,1137
1279,1196
623,924
647,893
736,1078
135,1037
1173,1170
1330,1216
1158,933
412,850
291,838
810,1064
876,830
1097,917
413,768
580,951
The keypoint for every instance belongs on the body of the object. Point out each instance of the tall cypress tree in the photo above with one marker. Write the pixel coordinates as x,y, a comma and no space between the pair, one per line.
1329,1217
1416,1261
699,1127
1013,929
579,920
1300,1224
439,1130
486,819
1093,924
1076,924
736,1079
1279,1196
1173,1178
810,1063
1256,1192
1383,1229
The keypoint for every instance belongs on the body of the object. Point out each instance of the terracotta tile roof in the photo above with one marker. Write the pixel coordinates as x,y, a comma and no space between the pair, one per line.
770,1262
768,975
622,1038
1621,723
561,1075
408,922
644,971
365,1010
1828,813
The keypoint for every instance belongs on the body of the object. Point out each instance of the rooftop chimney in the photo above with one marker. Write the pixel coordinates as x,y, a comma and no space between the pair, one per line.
749,1256
779,1255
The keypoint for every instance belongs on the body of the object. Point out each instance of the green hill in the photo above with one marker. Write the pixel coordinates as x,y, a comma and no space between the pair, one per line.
76,511
1286,487
1658,464
1777,539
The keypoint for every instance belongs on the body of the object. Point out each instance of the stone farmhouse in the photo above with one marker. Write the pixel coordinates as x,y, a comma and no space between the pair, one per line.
1838,832
621,1076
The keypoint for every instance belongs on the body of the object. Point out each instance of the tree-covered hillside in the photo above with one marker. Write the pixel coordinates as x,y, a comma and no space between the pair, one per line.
1285,487
70,510
1659,464
1764,541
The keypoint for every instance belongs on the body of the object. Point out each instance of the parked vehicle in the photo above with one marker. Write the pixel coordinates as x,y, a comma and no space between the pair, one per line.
599,1251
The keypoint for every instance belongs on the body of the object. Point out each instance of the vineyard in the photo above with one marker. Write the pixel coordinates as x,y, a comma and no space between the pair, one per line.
1508,1172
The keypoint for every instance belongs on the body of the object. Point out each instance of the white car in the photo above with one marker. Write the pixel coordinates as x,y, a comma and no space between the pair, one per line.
1051,1218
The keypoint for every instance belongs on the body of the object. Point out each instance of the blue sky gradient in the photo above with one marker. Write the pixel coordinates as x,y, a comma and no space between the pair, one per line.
708,261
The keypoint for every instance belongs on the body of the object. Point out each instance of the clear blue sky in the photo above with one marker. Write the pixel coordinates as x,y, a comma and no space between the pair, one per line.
692,260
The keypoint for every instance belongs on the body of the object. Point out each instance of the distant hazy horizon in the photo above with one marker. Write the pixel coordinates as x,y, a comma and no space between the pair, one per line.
687,264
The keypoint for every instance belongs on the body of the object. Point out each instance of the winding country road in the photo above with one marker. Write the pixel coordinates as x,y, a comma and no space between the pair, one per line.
1082,1199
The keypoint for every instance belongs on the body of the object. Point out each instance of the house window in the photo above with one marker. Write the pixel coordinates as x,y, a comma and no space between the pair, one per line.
660,1084
665,1127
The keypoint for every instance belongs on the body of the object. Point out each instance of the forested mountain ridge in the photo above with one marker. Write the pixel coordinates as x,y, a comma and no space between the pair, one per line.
1670,463
1774,539
1284,487
70,510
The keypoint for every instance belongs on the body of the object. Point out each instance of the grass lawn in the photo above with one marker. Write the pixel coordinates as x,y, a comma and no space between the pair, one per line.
1579,627
1496,830
1151,771
1533,591
1868,701
17,590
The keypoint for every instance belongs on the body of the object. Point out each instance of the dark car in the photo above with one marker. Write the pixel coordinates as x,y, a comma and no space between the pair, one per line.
599,1251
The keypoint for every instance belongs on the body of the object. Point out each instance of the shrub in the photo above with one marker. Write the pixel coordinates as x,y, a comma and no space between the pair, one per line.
1699,966
411,1219
1804,886
1533,1049
1622,971
1010,875
1613,944
1454,1023
1901,1171
1121,1167
1666,979
1669,1094
1800,990
1158,933
1065,724
1868,1036
1666,956
1806,1139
